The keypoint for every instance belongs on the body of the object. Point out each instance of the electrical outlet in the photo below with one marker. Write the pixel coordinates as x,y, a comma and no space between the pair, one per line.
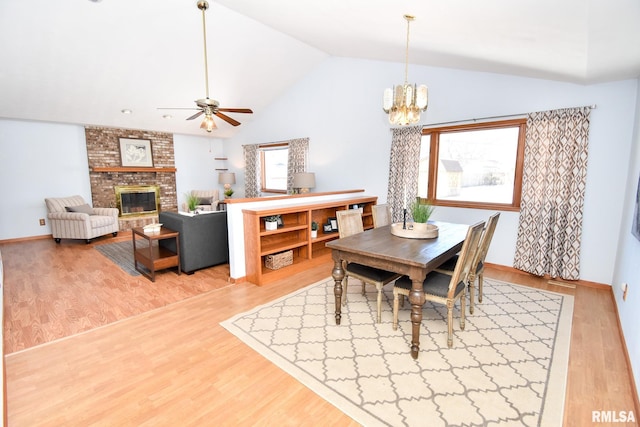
625,291
41,221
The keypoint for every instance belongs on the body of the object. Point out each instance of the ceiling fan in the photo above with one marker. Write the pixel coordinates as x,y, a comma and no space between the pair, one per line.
207,106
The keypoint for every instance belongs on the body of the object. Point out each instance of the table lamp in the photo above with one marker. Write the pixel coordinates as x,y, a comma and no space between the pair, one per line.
303,181
226,179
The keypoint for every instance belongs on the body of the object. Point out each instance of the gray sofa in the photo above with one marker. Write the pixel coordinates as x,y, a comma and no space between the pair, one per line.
203,239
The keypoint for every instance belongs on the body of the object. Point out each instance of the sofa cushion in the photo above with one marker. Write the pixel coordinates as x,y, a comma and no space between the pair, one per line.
85,208
204,200
98,221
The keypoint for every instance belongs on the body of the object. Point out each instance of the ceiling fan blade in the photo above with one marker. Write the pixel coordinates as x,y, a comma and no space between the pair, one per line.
198,114
177,108
236,110
227,119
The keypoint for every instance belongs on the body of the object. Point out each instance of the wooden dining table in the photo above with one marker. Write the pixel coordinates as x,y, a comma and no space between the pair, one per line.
415,258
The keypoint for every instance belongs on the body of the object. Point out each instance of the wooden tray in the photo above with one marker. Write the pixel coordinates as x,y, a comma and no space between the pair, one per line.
430,231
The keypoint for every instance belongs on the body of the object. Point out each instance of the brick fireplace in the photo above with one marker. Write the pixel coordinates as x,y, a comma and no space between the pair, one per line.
106,171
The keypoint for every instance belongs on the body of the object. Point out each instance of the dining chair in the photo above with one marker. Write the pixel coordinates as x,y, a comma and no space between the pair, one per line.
350,223
477,266
381,215
444,288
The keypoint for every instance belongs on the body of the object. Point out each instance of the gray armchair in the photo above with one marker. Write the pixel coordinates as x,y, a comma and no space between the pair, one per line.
72,218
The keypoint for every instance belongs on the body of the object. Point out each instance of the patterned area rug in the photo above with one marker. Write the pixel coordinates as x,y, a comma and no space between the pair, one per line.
508,367
121,253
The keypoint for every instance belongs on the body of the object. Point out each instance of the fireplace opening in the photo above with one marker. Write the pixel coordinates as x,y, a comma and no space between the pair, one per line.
137,200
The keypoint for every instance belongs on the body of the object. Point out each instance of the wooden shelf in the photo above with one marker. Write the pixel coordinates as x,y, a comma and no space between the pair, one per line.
132,169
294,234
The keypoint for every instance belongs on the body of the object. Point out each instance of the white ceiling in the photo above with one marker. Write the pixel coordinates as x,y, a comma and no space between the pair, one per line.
78,61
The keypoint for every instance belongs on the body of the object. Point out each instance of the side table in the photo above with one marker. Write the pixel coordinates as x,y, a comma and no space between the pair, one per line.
155,257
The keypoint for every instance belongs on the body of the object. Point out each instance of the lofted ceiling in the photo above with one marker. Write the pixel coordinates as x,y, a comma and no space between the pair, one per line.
83,61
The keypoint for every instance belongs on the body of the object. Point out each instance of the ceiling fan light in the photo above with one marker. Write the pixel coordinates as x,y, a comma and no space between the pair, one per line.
208,124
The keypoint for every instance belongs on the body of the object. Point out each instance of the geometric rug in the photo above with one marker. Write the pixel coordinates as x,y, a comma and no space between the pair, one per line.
508,367
121,253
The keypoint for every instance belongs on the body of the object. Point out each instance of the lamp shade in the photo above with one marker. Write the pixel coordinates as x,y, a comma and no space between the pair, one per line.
304,180
226,178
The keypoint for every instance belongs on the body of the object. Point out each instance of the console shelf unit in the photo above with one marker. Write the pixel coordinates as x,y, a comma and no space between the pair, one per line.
294,234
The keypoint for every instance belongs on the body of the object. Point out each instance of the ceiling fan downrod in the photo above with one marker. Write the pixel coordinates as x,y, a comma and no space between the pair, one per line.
203,6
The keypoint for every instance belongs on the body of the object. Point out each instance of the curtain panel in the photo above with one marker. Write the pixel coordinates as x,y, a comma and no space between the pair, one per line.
297,160
251,170
404,165
553,188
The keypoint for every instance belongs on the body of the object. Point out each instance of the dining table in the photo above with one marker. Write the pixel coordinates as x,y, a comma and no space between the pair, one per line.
413,257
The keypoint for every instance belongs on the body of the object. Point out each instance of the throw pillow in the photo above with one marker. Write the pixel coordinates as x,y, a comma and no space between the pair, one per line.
204,200
81,208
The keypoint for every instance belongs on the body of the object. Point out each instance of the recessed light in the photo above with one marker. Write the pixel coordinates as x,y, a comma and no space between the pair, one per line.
167,116
126,111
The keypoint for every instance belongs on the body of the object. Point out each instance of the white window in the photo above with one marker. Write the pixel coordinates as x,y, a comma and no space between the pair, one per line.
473,165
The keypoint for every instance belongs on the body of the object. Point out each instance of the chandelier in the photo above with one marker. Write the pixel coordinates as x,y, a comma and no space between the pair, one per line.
404,102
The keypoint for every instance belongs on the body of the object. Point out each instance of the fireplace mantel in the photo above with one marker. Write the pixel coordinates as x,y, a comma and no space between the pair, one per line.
132,169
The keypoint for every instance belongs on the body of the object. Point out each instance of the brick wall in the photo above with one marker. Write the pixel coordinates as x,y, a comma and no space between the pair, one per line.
103,150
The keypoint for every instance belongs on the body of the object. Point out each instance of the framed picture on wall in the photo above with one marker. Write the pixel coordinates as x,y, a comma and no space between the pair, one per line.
136,152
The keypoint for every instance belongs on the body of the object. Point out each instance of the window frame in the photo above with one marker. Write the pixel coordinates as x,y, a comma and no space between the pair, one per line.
434,146
262,149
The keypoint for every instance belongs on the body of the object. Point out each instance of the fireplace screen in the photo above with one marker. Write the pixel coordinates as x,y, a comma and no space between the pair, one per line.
137,200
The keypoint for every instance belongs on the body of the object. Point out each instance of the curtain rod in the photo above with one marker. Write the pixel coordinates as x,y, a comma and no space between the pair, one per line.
506,116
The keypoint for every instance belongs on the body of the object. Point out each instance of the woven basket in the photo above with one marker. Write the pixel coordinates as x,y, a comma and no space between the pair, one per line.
279,260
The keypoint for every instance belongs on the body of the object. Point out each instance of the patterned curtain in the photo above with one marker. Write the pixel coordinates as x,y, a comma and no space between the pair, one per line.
297,160
553,186
251,170
404,167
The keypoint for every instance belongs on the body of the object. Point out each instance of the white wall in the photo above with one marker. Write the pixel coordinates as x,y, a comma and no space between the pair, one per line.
338,106
39,160
195,164
627,268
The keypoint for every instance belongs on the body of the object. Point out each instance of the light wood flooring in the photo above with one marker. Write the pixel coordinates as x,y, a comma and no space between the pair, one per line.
87,344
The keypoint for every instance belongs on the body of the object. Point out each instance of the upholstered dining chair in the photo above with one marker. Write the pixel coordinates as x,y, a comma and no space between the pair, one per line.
444,288
381,215
477,265
350,223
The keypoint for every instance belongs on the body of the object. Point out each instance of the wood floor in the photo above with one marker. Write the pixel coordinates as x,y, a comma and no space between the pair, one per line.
87,344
